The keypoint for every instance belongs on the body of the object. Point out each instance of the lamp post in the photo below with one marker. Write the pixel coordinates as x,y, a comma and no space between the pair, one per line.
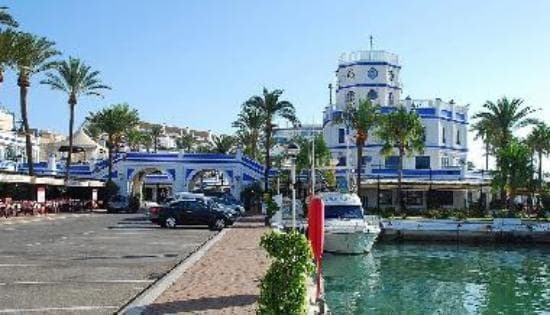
292,150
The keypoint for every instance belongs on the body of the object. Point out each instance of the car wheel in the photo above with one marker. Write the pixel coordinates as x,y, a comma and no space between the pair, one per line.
219,224
170,222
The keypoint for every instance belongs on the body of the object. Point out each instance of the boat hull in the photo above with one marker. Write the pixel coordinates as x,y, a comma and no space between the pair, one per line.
349,243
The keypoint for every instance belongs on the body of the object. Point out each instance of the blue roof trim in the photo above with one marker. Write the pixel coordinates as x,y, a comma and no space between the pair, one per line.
351,146
368,63
368,85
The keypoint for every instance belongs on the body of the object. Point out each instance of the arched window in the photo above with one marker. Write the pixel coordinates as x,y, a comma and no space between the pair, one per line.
390,98
372,95
458,137
350,97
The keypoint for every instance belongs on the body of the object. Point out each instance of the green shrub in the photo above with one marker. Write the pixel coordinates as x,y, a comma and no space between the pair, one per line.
284,287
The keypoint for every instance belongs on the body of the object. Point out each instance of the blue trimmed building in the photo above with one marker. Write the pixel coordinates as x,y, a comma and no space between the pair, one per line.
440,169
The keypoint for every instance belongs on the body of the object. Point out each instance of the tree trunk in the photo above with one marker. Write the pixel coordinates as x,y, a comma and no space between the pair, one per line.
359,144
486,154
399,180
267,156
23,83
540,171
72,104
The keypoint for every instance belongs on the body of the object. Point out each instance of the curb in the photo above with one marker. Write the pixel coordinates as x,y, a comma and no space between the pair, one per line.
139,303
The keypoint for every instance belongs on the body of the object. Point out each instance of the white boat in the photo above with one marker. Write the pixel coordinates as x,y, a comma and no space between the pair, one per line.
346,229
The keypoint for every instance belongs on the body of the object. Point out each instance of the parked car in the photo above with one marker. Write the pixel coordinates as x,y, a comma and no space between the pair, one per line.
118,203
230,202
154,210
197,211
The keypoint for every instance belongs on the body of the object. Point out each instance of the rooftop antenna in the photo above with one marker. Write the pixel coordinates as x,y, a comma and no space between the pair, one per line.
370,51
370,38
330,93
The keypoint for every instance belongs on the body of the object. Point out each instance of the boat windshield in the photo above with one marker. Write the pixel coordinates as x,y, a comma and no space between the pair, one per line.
343,212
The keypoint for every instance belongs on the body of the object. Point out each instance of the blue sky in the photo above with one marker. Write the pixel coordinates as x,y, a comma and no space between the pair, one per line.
192,63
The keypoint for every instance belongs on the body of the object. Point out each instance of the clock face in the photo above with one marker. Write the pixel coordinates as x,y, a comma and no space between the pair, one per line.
372,73
350,74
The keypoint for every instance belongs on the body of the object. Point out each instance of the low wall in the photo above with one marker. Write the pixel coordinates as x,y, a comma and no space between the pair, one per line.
498,230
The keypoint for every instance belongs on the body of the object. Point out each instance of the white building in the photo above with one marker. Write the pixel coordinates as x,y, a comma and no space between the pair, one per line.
441,167
12,143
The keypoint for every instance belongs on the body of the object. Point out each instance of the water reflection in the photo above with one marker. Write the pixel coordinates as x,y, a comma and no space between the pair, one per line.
439,279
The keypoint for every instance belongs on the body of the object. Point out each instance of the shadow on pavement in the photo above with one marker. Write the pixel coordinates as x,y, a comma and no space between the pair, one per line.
202,304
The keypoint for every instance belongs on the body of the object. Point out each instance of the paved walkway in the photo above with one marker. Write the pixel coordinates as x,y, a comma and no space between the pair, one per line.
224,281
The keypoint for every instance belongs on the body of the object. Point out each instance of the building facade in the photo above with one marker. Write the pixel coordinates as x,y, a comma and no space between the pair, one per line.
441,167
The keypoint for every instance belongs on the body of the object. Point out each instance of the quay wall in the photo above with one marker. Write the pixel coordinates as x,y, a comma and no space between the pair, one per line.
496,231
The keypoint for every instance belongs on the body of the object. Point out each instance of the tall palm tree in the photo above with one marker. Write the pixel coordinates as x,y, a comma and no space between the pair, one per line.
76,79
6,18
271,107
156,132
539,142
362,118
223,143
402,130
502,118
186,142
115,121
249,123
7,41
31,55
482,129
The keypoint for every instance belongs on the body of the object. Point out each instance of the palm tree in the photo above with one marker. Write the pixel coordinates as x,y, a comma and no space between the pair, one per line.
156,132
362,119
482,129
31,54
502,118
74,78
539,142
6,18
186,142
7,41
270,107
134,138
249,123
223,143
115,121
401,129
516,167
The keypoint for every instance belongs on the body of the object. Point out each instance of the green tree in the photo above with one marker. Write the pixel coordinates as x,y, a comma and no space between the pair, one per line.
186,142
115,121
135,138
322,153
499,120
31,55
515,170
362,118
156,132
249,124
6,18
482,128
223,143
402,130
7,42
76,79
270,107
539,142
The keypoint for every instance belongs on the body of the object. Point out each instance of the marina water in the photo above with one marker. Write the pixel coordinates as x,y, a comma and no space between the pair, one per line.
439,279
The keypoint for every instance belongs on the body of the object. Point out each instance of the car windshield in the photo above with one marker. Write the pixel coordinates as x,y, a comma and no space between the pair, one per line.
343,212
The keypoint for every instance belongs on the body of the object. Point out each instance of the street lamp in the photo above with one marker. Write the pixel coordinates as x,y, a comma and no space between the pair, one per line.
292,151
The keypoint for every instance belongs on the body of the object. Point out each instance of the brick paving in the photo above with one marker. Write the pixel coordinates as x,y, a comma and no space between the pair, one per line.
225,280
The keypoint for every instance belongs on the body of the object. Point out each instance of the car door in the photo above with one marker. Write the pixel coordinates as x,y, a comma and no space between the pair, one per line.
201,212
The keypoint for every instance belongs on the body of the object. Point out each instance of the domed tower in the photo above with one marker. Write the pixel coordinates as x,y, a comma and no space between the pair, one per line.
370,74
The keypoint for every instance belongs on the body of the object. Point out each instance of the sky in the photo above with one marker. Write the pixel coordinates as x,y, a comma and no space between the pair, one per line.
193,63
